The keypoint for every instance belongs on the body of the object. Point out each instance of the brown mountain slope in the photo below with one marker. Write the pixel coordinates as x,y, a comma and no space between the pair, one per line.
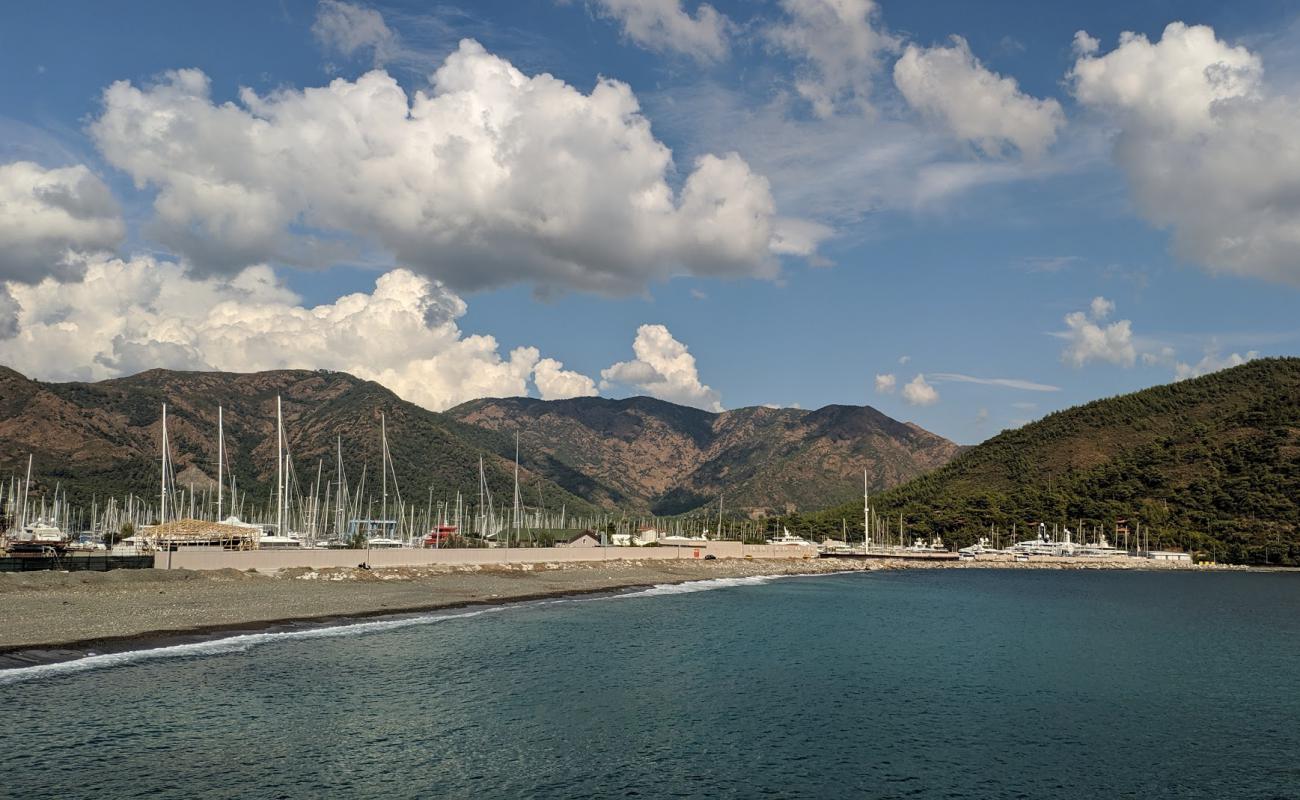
104,438
648,453
637,454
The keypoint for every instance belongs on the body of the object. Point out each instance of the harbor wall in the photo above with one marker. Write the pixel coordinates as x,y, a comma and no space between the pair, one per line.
200,558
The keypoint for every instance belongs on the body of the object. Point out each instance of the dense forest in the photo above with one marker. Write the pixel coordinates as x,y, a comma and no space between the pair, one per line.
1210,465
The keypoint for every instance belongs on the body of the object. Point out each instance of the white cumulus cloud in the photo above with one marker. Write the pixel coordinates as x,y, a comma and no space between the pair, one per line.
1089,338
839,45
46,213
128,315
554,382
1210,152
665,26
348,29
9,309
886,383
1084,44
950,85
492,177
1101,307
663,368
918,392
1212,362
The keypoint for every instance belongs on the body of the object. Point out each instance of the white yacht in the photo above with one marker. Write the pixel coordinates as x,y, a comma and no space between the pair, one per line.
934,545
1041,545
980,548
787,538
273,542
38,535
1102,549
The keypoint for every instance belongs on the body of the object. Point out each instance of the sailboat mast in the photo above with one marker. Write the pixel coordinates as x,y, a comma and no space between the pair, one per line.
279,467
516,509
27,485
866,515
383,467
338,514
162,478
221,457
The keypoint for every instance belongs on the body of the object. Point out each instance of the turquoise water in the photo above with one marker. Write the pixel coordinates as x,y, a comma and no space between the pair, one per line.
921,684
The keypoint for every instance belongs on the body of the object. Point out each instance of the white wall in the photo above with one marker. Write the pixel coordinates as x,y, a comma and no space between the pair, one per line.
271,560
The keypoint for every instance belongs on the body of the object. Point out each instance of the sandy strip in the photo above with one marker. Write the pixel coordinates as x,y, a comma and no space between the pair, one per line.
58,615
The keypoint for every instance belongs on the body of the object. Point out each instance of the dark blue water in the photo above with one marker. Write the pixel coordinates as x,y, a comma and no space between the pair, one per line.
921,684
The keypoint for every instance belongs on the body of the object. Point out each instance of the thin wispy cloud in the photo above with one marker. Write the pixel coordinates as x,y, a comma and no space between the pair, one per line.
1006,383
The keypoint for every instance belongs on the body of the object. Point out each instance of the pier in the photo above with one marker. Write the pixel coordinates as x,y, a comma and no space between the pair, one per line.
902,555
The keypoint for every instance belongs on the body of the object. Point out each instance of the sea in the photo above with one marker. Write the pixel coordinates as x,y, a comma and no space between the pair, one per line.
912,684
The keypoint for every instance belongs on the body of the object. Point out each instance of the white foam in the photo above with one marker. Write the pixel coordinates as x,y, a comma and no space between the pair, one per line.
230,644
661,589
689,587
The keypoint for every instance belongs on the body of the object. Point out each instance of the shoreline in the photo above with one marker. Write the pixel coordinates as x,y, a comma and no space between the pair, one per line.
57,652
104,613
120,611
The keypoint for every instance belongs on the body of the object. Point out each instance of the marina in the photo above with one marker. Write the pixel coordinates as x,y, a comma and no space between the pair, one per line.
300,526
801,399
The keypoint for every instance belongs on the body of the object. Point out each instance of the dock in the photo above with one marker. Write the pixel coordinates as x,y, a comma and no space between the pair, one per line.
898,556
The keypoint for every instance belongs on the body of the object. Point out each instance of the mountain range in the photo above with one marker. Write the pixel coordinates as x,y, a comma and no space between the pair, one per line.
637,455
647,453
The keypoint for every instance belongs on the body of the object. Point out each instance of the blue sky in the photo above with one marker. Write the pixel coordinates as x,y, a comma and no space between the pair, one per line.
1002,226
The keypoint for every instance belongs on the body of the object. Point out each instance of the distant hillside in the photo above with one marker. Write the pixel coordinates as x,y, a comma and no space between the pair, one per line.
104,438
646,453
1211,464
636,455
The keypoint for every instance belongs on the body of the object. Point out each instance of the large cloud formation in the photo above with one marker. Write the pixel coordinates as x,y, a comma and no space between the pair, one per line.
492,177
124,316
46,213
663,368
950,85
1210,152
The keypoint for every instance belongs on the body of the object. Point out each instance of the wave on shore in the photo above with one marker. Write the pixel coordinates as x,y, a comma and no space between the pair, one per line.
661,589
223,646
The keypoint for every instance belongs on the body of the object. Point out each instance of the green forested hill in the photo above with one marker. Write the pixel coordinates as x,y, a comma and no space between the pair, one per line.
1210,464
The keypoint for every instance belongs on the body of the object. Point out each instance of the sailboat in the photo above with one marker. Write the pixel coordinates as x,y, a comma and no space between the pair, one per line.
384,540
38,535
280,540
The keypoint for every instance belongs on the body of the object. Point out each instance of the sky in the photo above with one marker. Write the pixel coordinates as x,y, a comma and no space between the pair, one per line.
967,215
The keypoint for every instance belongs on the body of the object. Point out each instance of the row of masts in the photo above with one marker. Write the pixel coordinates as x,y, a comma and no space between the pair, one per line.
333,510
